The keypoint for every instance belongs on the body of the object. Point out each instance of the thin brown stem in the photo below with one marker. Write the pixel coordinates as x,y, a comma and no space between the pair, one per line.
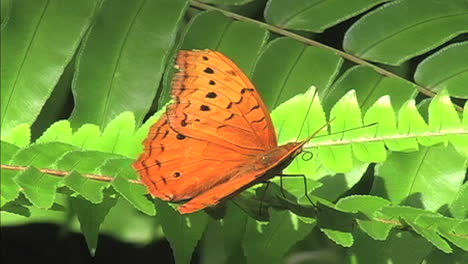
311,42
65,173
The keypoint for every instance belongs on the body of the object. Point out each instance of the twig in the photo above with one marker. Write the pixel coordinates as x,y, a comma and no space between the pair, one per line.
395,137
65,173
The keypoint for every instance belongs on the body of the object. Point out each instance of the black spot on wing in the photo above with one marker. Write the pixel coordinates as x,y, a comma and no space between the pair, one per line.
208,70
205,108
211,95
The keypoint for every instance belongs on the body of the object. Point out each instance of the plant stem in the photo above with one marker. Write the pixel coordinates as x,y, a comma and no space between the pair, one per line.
375,139
65,173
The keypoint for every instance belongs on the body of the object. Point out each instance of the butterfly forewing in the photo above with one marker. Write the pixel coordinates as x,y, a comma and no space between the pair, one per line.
215,101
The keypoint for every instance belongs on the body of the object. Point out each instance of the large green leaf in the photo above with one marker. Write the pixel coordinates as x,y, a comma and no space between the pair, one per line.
400,247
91,216
401,30
429,178
122,59
5,13
183,232
19,135
288,67
227,2
268,242
38,187
314,15
453,78
367,205
122,171
9,188
35,50
369,86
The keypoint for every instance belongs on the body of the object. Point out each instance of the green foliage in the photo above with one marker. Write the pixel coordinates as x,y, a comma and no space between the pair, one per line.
119,51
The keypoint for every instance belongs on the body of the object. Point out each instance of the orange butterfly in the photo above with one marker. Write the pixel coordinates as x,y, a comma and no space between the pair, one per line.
217,138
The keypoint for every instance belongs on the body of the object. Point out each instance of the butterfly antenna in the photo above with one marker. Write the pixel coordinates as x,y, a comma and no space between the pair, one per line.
343,131
307,114
318,131
281,128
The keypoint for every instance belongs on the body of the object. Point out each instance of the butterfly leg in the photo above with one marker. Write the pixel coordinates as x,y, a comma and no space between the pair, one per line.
305,185
263,196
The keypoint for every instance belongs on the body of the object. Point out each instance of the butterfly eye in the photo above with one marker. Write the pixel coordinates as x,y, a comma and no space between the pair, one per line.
176,174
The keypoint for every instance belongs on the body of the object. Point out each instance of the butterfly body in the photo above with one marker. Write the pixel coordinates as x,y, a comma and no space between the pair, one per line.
216,139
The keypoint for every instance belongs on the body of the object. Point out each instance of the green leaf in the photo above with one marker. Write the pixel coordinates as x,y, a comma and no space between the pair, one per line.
5,13
233,227
314,15
369,86
122,167
86,137
427,179
366,204
90,189
7,152
400,247
117,135
135,194
426,229
401,30
36,48
459,208
407,213
279,78
335,184
346,115
309,116
122,171
461,141
442,115
84,161
227,2
375,119
439,257
19,135
337,226
383,114
410,121
268,242
39,187
183,232
58,132
9,189
106,66
129,225
142,133
91,217
41,155
458,235
15,208
453,78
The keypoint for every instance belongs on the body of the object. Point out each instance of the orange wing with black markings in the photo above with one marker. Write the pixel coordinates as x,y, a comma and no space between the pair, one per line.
215,140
